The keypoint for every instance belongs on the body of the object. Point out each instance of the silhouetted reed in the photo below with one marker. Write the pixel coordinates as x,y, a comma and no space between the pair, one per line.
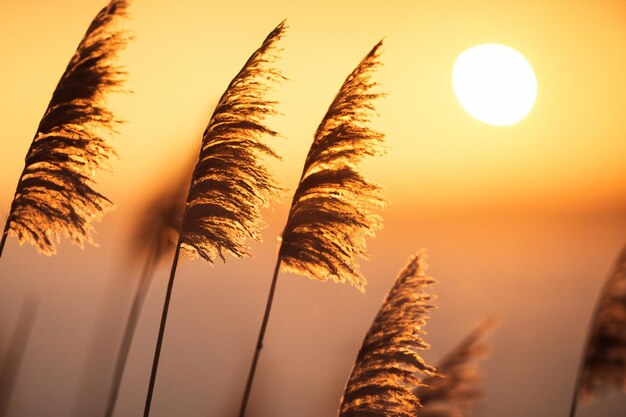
158,224
229,184
388,366
603,363
156,231
55,195
457,387
334,207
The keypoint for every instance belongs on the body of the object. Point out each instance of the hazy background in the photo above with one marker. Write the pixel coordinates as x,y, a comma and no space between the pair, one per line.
522,221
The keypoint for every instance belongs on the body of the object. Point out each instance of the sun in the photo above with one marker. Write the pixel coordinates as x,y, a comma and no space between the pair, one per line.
495,84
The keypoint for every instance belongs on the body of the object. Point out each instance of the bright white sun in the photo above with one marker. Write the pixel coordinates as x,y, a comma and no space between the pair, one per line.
495,84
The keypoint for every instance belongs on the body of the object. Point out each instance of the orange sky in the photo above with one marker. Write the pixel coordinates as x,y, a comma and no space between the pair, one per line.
521,221
566,154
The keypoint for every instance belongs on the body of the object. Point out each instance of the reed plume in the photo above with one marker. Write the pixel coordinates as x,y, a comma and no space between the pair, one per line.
55,194
603,364
388,366
457,387
229,184
334,207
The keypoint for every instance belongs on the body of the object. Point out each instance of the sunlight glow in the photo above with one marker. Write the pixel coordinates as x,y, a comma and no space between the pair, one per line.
495,84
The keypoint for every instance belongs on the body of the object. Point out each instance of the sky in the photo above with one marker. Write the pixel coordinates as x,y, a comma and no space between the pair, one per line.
522,221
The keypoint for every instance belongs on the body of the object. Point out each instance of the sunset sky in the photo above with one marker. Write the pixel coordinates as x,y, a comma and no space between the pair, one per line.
522,221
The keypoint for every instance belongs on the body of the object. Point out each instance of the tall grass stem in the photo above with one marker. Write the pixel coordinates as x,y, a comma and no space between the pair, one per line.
259,343
157,352
5,233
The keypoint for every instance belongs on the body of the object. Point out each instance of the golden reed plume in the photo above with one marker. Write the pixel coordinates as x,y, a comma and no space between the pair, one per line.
457,387
55,195
388,366
229,185
603,365
334,207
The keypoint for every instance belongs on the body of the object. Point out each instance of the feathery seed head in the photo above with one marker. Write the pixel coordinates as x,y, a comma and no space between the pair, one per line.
335,208
230,184
388,365
55,195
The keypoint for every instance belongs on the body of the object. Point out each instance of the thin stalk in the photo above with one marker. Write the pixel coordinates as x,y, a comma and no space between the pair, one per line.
4,237
259,343
131,326
157,352
579,377
574,406
266,317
